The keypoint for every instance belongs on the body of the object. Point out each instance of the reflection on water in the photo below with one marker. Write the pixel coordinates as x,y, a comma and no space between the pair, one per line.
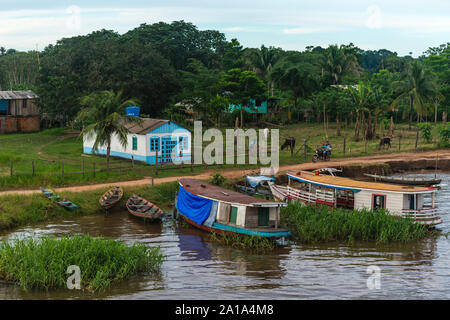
196,268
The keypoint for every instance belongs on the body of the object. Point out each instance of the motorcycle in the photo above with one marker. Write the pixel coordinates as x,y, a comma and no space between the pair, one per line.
319,155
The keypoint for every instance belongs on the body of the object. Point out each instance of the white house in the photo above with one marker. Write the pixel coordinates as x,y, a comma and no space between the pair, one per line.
152,137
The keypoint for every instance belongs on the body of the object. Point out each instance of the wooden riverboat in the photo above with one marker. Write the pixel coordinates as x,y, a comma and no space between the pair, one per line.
255,184
142,208
111,197
69,205
212,208
415,202
405,181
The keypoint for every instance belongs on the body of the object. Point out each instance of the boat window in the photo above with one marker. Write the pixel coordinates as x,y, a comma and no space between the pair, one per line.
378,201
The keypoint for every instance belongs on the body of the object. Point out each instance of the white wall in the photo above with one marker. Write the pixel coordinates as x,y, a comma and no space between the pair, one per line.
394,201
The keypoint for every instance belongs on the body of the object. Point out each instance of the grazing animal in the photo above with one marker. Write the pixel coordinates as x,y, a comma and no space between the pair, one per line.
289,142
385,142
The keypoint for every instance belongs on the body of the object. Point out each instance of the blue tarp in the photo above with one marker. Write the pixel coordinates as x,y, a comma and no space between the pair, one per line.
3,105
193,207
255,180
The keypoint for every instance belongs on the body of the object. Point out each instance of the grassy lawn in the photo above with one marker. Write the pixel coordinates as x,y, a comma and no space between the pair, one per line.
52,149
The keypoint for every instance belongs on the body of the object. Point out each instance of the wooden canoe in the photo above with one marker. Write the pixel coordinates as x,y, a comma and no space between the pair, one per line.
111,197
406,181
67,204
141,208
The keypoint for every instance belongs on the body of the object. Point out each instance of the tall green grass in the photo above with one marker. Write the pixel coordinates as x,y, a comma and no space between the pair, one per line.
240,241
321,224
42,263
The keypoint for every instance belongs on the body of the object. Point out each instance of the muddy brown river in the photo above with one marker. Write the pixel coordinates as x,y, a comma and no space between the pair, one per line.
196,268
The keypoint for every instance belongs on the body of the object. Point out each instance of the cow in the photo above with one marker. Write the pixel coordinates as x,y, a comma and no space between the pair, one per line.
289,142
386,141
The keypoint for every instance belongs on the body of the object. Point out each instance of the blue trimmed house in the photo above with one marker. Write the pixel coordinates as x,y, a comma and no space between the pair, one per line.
169,140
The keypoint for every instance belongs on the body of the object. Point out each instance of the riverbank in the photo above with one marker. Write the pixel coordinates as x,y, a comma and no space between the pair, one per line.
21,209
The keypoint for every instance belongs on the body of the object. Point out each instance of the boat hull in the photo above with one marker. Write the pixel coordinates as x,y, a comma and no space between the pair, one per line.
226,229
143,215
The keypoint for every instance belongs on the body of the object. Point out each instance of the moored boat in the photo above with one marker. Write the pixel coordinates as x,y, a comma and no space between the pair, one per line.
142,208
111,197
405,181
67,204
255,184
414,202
212,208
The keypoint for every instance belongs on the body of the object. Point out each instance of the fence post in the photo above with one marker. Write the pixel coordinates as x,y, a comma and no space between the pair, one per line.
82,166
153,183
399,142
304,147
132,161
192,163
11,166
62,167
344,144
156,163
417,138
32,167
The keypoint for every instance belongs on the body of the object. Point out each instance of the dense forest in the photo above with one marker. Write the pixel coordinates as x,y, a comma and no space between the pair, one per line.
168,67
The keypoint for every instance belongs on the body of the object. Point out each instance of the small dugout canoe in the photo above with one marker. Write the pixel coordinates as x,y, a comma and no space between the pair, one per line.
142,208
111,197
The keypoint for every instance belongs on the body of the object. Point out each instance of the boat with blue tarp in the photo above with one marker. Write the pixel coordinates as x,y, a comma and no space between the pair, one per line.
255,184
212,208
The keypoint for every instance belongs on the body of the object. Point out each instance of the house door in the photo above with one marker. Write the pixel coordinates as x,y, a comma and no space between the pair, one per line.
412,202
263,217
167,145
233,214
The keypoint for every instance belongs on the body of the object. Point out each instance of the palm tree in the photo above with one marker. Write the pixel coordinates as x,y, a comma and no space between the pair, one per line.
361,96
104,114
263,60
417,87
338,63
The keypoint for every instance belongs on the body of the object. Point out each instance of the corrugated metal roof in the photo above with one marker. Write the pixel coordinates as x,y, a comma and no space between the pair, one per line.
12,95
146,125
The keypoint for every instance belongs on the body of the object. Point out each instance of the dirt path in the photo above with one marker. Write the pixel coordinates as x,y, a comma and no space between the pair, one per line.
427,155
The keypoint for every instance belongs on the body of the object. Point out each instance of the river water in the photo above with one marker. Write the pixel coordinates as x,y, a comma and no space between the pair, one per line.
196,268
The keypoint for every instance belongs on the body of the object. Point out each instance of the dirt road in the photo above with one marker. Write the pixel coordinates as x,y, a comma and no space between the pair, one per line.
427,155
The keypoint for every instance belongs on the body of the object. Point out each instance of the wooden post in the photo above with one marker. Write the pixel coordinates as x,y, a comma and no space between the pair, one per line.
417,138
344,144
192,163
304,147
153,182
11,166
62,167
32,167
132,161
399,142
156,163
82,166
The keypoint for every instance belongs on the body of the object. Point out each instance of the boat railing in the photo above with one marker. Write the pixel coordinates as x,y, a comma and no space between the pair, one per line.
297,194
426,215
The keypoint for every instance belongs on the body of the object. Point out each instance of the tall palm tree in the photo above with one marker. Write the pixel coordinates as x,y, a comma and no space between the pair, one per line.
416,87
104,116
361,97
337,63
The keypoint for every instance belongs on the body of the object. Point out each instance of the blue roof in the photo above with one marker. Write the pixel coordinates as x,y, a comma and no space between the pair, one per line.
168,127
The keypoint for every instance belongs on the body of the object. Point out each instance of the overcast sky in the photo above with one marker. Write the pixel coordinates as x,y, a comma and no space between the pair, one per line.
397,25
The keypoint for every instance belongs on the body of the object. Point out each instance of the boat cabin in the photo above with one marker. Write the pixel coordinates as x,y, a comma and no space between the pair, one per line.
213,208
399,200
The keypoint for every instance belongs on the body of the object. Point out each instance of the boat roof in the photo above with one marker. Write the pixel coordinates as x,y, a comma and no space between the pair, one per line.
354,185
210,191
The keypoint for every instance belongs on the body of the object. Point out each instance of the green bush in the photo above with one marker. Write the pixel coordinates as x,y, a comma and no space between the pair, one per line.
444,136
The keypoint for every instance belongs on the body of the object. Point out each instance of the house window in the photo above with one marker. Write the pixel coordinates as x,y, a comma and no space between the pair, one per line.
378,201
24,103
154,144
135,143
263,217
183,142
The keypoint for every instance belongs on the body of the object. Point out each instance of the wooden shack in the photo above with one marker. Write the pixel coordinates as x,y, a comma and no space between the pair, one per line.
18,112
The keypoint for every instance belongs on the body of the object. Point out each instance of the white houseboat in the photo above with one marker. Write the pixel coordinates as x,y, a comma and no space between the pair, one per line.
402,201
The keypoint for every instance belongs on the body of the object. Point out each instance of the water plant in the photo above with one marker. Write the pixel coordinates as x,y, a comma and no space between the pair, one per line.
42,263
321,224
240,241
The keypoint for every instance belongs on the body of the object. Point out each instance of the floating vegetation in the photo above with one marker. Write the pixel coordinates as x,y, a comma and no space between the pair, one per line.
241,241
42,263
321,224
